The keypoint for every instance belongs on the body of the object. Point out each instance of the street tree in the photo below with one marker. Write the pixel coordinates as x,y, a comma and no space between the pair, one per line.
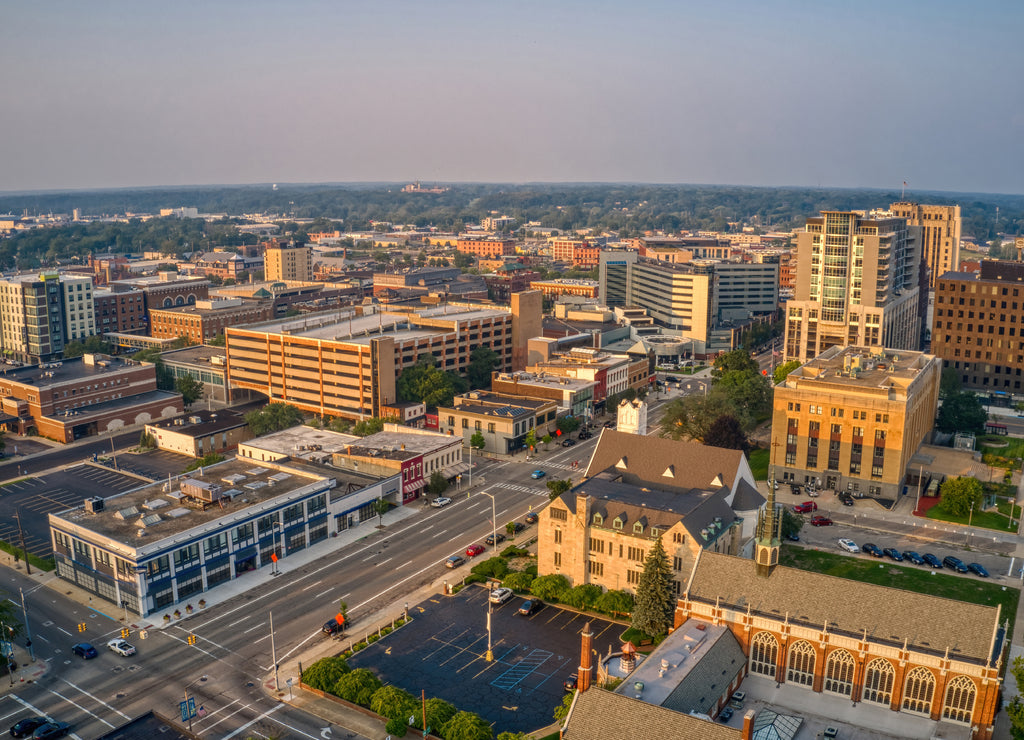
394,703
737,360
781,371
438,483
467,726
726,432
477,441
438,713
962,412
357,686
958,496
655,602
1015,709
324,673
191,390
557,487
382,507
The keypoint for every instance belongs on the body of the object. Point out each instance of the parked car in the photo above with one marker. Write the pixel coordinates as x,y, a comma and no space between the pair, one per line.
609,425
84,650
454,561
932,561
805,507
121,647
583,435
794,489
848,545
499,595
331,627
913,557
792,536
813,492
25,727
531,518
568,442
726,714
517,527
49,730
954,564
873,550
846,499
977,569
537,474
529,606
893,554
494,538
569,684
820,521
440,501
473,550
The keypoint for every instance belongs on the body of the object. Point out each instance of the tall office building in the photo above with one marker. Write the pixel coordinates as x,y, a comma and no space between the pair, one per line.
41,313
857,283
940,236
288,262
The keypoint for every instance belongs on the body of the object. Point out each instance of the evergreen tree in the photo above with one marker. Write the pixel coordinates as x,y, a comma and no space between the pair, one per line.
655,603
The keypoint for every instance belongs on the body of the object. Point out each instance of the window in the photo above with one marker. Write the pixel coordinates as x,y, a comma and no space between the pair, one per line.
186,557
801,664
677,563
465,423
839,673
959,704
638,528
617,523
678,538
635,553
215,545
558,559
596,545
158,567
595,568
558,537
632,577
918,691
878,681
560,515
598,520
764,654
293,514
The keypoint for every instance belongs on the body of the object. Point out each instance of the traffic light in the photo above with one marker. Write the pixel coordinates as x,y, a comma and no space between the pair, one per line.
81,626
124,633
191,639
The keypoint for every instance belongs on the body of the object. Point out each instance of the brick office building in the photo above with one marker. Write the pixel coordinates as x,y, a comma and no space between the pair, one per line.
206,319
123,312
488,247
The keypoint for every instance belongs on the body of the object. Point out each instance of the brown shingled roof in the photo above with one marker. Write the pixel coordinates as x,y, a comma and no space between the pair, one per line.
607,716
647,458
928,623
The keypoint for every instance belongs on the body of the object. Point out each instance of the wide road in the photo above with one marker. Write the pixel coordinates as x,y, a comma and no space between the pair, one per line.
232,654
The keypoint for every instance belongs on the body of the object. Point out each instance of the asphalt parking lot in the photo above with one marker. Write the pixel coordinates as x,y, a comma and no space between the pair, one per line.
442,651
34,498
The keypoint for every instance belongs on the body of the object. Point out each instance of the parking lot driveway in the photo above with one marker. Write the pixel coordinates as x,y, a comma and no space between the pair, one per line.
442,651
154,463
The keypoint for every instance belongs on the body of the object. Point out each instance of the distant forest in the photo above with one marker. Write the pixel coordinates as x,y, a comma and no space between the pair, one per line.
628,210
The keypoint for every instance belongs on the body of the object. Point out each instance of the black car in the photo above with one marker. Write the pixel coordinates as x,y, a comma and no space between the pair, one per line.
932,561
569,684
531,518
25,727
977,569
495,537
872,550
846,499
568,442
529,606
518,527
331,627
49,730
913,557
954,564
893,554
794,489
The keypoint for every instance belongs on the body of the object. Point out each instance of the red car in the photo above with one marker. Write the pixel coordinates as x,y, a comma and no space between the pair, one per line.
473,550
820,521
806,507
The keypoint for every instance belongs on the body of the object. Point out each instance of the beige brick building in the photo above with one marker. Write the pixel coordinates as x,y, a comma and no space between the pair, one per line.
288,262
853,417
637,489
940,235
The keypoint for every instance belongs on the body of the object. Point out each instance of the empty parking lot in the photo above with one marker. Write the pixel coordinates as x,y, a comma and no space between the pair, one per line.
443,652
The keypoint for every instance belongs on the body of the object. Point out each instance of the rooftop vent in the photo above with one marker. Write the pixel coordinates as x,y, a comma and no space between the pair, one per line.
127,513
94,505
157,503
150,520
176,512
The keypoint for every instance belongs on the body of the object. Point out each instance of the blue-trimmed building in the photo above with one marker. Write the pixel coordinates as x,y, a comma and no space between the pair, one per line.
168,543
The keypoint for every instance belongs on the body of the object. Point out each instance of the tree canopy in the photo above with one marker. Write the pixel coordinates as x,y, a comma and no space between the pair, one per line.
726,431
783,370
958,496
191,390
482,361
273,418
428,383
655,601
962,411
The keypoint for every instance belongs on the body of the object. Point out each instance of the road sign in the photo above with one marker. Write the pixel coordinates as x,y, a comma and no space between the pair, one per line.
188,709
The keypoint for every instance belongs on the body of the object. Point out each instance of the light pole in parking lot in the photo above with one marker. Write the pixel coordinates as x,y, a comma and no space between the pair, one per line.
489,656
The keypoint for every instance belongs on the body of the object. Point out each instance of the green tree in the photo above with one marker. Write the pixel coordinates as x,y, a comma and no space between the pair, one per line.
191,390
477,441
546,440
482,361
357,686
568,424
781,371
582,596
218,341
394,703
92,345
562,710
1015,709
211,458
427,383
738,360
726,432
750,392
958,496
146,441
792,523
438,483
324,673
615,603
962,412
514,736
557,487
691,417
438,713
273,418
372,425
382,507
496,567
655,602
949,384
518,580
466,726
552,587
531,439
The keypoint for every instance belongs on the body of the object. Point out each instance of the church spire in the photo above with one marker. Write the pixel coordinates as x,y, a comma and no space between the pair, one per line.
769,531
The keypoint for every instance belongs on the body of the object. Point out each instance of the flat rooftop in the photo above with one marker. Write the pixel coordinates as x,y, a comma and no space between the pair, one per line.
546,381
860,367
393,442
162,511
292,441
200,354
202,423
55,373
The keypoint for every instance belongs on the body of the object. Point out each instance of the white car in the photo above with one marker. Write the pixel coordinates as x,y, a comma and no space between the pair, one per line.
121,647
440,501
848,545
500,595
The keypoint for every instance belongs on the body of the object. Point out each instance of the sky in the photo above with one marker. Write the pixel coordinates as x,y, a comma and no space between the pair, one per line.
110,93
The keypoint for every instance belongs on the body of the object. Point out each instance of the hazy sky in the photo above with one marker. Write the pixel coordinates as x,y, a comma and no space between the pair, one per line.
759,92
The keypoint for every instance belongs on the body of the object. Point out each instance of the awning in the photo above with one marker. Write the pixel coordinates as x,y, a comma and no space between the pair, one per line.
413,487
453,470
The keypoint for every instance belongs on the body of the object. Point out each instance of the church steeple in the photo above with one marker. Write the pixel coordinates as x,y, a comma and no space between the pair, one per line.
769,532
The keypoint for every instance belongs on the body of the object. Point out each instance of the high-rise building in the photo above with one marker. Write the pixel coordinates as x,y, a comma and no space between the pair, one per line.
288,262
857,283
940,235
40,314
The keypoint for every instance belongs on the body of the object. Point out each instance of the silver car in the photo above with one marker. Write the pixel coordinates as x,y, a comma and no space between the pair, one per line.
500,595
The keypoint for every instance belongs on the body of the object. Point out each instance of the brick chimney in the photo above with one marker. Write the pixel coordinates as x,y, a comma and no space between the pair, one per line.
747,733
586,652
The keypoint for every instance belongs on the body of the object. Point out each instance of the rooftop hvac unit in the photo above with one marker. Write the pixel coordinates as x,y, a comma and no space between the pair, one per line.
94,505
195,420
201,490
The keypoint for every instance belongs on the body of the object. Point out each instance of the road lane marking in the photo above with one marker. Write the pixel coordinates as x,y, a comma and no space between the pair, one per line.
251,629
385,561
95,699
312,585
39,712
95,716
439,534
400,567
323,593
224,719
245,727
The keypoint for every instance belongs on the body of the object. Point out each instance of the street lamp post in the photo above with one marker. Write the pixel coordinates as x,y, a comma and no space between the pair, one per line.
489,656
198,680
28,632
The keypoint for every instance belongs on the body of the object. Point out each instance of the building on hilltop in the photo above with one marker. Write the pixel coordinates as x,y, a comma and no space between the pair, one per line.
857,282
852,418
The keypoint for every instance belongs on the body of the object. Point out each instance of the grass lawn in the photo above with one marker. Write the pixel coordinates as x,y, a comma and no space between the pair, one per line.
962,588
758,460
1002,445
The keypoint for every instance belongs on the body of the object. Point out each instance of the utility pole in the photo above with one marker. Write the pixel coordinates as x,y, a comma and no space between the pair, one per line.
28,632
21,536
273,653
